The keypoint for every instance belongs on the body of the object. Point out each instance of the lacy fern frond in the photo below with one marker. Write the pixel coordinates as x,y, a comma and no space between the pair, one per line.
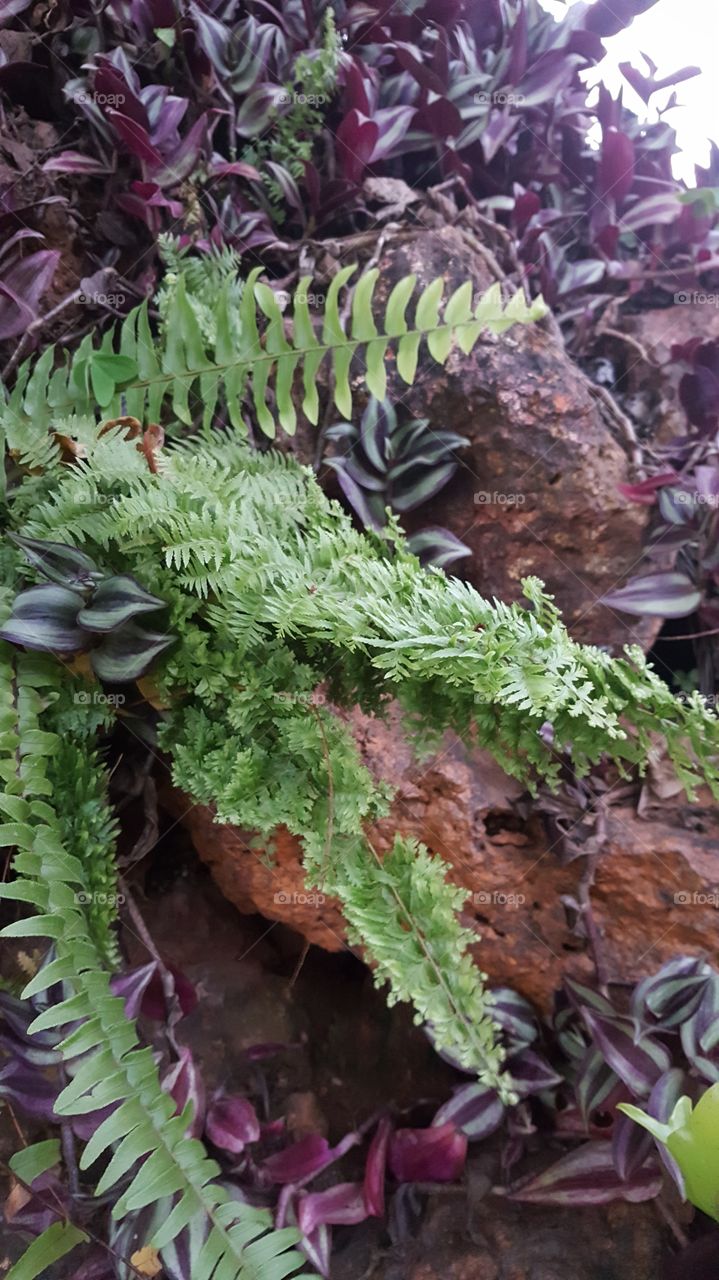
251,350
103,1055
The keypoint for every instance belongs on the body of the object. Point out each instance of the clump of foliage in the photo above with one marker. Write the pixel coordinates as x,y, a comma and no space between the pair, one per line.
83,610
270,592
683,486
163,107
382,464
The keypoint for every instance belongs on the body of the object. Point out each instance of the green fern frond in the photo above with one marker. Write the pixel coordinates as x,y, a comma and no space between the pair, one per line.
255,352
103,1055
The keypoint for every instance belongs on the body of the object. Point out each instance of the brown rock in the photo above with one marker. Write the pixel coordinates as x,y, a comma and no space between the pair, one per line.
536,492
655,893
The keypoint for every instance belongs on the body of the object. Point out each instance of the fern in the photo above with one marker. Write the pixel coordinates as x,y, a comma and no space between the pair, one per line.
126,375
103,1051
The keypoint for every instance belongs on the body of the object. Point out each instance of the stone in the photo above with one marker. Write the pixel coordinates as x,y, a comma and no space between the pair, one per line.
536,491
655,892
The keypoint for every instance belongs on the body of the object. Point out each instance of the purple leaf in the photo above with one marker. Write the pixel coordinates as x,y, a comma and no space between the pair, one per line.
301,1160
531,1073
45,618
673,993
437,546
596,1082
637,1059
474,1109
631,1145
515,1016
393,123
136,139
654,210
343,1204
232,1122
615,176
645,491
437,1154
375,1169
356,139
75,162
658,595
184,1084
587,1177
28,1088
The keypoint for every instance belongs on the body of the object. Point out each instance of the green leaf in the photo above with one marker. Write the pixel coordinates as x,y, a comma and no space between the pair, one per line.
28,1164
52,1245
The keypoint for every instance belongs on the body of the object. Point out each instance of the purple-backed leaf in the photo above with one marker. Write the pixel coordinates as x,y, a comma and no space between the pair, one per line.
631,1145
638,1060
286,184
220,168
355,495
645,86
673,993
131,987
656,210
184,1084
700,1033
412,59
232,1122
136,139
550,73
515,1016
615,175
30,277
393,124
28,1051
28,1088
672,1086
343,1204
587,1177
187,157
143,992
213,38
656,595
437,546
427,1155
583,997
376,1169
609,17
45,618
75,162
116,600
595,1082
258,109
301,1160
111,86
10,8
356,139
474,1109
531,1073
430,481
645,491
127,654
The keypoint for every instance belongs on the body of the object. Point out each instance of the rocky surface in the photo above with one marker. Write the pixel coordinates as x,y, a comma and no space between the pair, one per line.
655,893
536,491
